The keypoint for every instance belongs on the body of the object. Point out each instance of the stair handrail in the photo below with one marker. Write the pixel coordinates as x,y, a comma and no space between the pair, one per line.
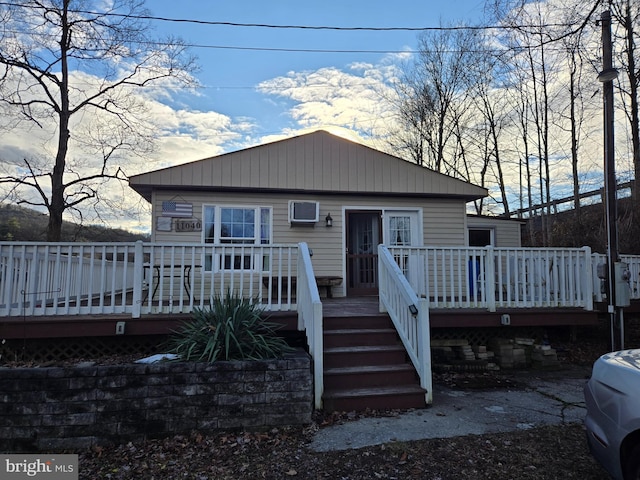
409,314
310,317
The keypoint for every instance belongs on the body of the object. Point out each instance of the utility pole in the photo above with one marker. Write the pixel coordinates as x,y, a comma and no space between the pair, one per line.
607,76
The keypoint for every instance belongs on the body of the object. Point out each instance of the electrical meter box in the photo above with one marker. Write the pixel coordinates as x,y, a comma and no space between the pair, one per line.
601,270
622,289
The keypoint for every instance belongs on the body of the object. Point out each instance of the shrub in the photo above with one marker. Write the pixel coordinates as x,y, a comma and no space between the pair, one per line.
231,328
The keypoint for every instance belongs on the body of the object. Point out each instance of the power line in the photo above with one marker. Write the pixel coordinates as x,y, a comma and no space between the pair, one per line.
327,27
311,27
324,50
295,50
53,37
301,27
311,50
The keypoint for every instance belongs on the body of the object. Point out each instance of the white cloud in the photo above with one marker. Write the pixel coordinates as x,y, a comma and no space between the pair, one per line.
177,135
353,99
343,132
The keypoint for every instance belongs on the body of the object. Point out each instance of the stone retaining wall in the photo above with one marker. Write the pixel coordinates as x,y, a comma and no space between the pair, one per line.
65,408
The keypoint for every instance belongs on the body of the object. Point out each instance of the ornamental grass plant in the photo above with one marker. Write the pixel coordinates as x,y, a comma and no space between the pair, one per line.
230,328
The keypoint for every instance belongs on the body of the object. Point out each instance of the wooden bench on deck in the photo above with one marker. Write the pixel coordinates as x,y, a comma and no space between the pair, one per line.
327,282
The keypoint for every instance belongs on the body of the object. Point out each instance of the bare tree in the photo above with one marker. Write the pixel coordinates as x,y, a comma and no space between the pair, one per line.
465,116
627,15
534,72
576,111
71,66
432,96
539,71
414,108
486,89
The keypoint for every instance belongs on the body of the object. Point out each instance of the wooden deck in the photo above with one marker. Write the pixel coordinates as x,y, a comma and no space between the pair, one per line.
470,317
160,324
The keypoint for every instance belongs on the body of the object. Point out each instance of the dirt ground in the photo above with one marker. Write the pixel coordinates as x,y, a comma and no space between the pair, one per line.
558,452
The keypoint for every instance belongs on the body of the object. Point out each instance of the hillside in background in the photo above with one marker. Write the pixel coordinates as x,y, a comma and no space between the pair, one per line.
586,229
25,225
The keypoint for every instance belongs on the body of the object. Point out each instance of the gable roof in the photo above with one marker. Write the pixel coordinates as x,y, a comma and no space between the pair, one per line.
317,162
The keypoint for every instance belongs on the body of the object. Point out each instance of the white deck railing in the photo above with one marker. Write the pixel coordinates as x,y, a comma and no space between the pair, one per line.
65,278
410,316
310,319
177,277
491,278
39,279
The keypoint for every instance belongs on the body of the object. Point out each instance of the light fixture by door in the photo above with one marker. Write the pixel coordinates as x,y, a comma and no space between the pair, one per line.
329,220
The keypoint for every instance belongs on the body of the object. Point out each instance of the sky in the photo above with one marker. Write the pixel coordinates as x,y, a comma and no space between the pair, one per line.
258,91
257,84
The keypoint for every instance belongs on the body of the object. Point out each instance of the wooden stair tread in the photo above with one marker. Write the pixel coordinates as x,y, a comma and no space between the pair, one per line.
368,369
366,366
375,391
365,348
351,331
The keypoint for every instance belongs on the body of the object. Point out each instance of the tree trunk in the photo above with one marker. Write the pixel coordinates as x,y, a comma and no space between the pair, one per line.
574,138
545,143
57,205
634,77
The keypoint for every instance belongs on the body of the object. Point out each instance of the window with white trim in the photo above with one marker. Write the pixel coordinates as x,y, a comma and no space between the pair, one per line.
481,237
400,230
236,226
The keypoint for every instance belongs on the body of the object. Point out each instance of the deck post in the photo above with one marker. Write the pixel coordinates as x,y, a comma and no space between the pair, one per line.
318,356
382,284
138,260
587,275
490,278
424,348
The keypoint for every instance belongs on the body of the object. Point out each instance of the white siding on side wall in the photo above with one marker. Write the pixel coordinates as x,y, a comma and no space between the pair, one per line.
506,231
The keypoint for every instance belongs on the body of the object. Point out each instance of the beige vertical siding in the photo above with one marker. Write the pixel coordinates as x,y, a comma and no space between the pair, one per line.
317,162
443,221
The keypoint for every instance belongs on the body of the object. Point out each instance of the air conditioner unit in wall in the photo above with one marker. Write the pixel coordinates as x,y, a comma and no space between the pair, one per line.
303,212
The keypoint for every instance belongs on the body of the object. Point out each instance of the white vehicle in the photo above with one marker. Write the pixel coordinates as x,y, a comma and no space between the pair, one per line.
612,397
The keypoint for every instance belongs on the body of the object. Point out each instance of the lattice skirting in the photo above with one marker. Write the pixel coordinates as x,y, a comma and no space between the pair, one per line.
62,349
481,336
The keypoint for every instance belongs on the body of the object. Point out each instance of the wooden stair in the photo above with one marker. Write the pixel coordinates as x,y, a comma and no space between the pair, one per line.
366,366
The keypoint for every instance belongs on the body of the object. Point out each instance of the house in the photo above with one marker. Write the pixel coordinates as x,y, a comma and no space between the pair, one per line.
340,197
275,222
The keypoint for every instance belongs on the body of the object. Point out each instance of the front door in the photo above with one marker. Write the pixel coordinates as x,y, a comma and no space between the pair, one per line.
364,233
